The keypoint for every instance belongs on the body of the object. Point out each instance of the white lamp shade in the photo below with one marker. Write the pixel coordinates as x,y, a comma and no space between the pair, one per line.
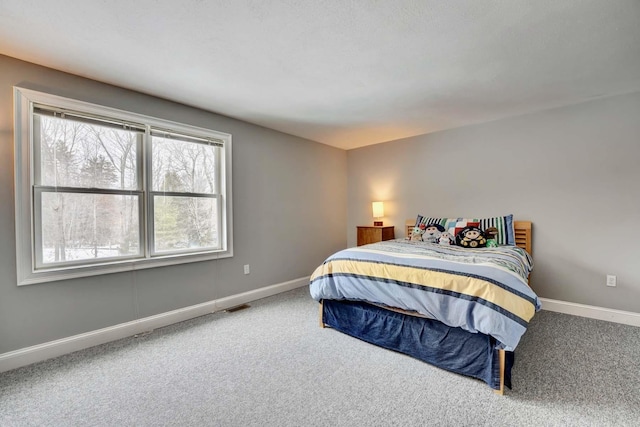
378,209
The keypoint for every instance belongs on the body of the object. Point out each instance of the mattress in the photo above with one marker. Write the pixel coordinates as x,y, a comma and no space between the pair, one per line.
483,290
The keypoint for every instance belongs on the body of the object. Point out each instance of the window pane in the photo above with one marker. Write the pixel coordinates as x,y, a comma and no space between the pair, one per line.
77,154
185,223
186,167
88,226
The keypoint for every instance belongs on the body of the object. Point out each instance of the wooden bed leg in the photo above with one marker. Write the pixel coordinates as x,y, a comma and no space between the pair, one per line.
501,357
321,311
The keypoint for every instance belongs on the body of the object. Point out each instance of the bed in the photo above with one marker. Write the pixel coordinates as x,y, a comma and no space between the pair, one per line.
460,309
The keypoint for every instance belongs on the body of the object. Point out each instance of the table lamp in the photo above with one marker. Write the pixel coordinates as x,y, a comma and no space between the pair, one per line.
378,212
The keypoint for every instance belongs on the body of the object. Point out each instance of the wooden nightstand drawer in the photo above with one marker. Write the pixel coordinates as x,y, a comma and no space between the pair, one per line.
373,234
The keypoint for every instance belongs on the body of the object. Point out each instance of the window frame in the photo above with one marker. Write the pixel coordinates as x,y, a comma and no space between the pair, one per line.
26,191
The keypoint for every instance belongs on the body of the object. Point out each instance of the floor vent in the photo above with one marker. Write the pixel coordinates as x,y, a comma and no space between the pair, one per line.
237,308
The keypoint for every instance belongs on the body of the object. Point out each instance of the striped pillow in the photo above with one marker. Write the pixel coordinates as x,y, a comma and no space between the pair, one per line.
504,224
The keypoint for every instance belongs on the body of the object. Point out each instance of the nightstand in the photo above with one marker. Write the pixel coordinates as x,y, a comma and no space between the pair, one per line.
372,234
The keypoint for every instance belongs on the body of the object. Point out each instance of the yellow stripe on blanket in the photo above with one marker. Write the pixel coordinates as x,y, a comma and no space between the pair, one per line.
462,284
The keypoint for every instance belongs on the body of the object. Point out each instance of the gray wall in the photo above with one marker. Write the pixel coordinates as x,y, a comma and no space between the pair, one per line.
572,171
289,206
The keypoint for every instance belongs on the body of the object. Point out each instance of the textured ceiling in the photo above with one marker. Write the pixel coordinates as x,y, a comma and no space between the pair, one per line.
347,73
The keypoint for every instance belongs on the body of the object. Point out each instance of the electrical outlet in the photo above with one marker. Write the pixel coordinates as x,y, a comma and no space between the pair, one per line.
247,270
611,280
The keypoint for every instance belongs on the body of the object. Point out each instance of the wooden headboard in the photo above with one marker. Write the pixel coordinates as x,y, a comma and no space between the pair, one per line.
522,230
523,235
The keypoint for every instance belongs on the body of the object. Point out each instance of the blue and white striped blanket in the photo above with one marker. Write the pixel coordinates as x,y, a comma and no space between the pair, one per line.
480,290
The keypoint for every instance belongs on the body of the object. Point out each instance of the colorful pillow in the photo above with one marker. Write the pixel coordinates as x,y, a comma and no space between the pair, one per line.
461,224
504,224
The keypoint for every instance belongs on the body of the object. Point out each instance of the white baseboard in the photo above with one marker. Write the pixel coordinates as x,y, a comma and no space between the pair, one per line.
593,312
40,352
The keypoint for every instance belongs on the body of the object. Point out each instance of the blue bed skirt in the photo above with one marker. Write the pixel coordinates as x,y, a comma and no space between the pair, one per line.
431,341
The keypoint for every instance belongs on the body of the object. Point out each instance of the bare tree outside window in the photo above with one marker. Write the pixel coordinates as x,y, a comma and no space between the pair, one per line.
184,201
76,159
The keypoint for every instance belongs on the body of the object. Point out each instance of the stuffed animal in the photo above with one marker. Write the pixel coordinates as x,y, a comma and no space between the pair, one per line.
416,234
432,232
491,233
446,239
471,237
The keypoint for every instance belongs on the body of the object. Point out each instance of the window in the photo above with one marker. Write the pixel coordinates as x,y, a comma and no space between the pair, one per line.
100,190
